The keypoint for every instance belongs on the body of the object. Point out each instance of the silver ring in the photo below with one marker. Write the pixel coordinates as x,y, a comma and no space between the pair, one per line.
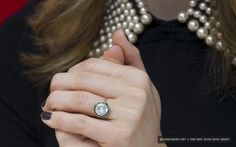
102,109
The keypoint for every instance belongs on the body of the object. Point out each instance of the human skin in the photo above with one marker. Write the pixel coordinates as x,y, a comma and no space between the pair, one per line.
134,120
162,9
166,9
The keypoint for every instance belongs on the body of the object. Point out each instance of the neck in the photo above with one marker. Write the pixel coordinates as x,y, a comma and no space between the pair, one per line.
166,9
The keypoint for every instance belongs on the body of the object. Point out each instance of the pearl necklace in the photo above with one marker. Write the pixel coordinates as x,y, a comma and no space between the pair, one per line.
132,17
121,14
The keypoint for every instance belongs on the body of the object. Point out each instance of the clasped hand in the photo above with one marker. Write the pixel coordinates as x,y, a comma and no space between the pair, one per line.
119,76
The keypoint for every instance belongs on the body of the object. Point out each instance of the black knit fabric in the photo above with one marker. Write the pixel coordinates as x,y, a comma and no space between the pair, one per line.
175,59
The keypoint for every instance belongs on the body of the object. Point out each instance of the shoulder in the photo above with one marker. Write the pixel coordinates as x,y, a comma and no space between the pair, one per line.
18,101
15,33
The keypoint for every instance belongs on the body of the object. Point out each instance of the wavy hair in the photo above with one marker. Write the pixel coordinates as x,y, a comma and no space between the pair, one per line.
64,31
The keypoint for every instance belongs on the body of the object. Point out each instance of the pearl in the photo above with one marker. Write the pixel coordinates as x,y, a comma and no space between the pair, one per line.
183,17
227,52
122,6
114,13
192,3
95,44
207,25
203,6
146,19
102,38
210,40
104,47
132,12
135,19
193,25
219,45
219,35
125,24
202,33
213,31
121,14
143,11
130,25
91,54
208,11
129,19
129,5
212,19
109,35
113,28
234,61
98,52
203,19
118,26
126,12
140,4
102,32
190,11
218,24
109,41
110,45
197,14
122,17
118,10
138,28
132,37
127,31
111,22
117,20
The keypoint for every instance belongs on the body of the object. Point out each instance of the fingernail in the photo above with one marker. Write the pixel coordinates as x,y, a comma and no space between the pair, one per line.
46,115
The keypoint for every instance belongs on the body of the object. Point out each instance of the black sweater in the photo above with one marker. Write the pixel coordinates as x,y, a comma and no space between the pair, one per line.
175,59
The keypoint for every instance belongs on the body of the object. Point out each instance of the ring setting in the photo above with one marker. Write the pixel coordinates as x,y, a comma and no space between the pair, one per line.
102,109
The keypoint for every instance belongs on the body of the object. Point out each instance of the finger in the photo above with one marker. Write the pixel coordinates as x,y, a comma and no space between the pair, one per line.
77,102
107,68
99,66
131,53
74,140
104,86
96,129
114,54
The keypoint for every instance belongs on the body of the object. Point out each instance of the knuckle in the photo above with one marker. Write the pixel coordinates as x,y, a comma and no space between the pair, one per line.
139,94
55,80
81,98
52,100
144,79
135,115
90,63
83,79
73,68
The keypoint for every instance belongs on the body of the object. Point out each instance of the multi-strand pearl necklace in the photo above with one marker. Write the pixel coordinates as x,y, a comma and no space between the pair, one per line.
201,18
132,17
125,15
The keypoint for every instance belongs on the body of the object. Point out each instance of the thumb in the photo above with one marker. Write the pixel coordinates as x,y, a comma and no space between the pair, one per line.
131,53
114,54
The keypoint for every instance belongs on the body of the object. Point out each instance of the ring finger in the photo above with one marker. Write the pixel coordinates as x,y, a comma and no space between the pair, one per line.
77,102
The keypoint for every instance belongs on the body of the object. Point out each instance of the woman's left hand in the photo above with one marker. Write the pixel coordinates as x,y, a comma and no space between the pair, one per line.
134,120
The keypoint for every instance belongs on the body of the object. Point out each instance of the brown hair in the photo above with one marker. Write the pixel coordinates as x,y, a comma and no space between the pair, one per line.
63,32
65,29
